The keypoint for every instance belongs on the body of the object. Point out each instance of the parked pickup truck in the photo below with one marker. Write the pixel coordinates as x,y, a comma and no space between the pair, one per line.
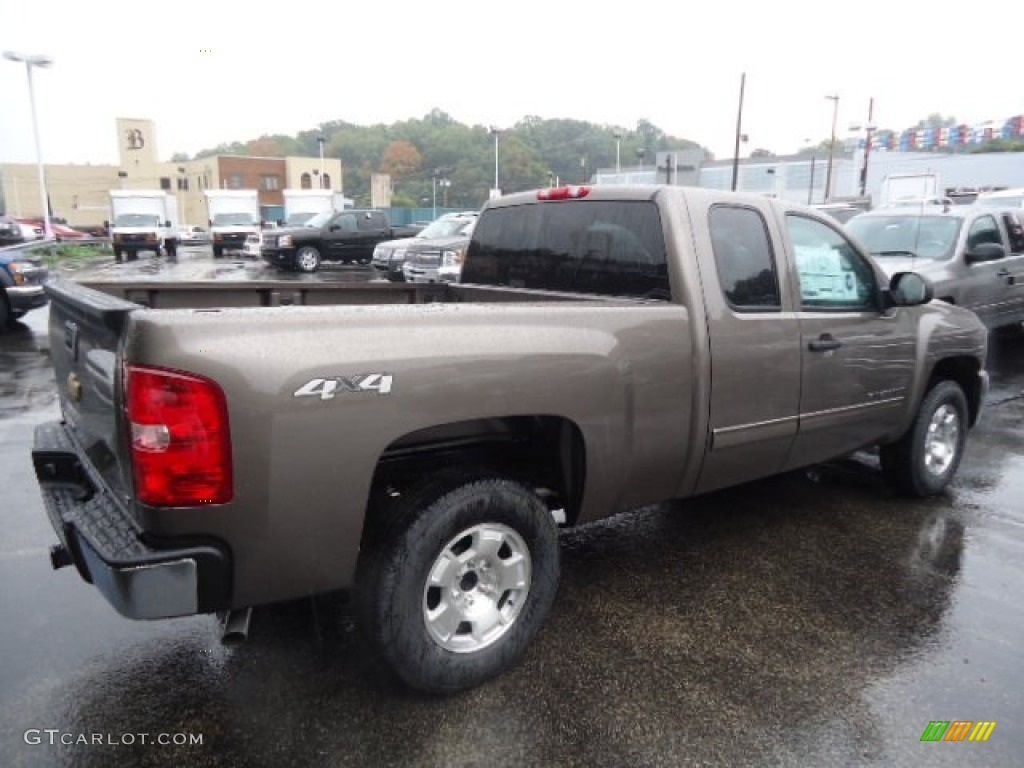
348,236
22,277
423,445
973,256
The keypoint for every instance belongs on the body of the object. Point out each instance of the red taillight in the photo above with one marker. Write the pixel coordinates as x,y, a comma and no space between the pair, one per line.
180,441
562,193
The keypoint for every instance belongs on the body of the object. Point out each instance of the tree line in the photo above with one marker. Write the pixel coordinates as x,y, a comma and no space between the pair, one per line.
417,153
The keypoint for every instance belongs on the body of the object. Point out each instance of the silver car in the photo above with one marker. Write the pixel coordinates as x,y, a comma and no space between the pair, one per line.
439,259
390,256
973,255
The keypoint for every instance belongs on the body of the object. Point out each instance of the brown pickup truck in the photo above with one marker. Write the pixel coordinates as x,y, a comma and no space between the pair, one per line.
224,446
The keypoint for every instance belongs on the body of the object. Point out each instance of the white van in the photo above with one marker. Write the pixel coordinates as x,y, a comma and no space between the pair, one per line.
1004,198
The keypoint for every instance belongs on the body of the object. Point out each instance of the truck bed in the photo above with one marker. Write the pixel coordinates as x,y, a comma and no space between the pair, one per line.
218,294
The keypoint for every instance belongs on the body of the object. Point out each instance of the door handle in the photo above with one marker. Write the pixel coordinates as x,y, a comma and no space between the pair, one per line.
1004,272
824,343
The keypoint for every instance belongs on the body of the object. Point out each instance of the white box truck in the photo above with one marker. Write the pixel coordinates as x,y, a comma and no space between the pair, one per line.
300,205
233,215
909,189
143,220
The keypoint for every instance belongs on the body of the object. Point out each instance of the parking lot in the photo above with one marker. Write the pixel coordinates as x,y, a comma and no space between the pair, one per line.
811,619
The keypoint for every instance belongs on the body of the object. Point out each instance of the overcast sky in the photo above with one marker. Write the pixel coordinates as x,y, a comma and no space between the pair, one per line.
217,71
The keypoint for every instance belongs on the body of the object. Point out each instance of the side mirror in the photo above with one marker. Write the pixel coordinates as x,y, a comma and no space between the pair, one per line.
280,222
167,223
985,252
106,224
909,289
333,228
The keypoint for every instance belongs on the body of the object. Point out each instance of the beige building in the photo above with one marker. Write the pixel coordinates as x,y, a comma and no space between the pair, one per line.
79,193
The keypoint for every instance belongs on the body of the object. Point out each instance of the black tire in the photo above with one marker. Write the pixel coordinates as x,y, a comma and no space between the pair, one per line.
394,599
923,462
307,259
131,255
118,255
6,313
218,251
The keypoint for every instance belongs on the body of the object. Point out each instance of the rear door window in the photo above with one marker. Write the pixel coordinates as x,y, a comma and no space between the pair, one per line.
744,259
611,248
371,221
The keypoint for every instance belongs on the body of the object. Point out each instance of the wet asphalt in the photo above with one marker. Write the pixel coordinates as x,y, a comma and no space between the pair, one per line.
809,620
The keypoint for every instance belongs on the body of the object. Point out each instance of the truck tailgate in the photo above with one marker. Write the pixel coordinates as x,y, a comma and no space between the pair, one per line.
86,327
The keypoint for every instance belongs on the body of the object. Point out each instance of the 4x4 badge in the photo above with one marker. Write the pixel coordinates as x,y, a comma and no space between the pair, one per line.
326,389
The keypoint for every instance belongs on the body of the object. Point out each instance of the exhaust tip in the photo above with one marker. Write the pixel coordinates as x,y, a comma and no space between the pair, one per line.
235,625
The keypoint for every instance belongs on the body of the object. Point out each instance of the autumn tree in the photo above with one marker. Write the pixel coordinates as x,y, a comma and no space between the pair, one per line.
400,159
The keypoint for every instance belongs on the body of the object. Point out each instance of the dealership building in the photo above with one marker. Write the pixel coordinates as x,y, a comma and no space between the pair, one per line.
80,193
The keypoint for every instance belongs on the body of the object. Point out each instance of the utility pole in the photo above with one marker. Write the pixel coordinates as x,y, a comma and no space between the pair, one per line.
739,130
831,147
867,147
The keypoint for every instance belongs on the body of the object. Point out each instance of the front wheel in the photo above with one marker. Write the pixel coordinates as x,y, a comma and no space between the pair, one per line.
307,259
462,584
6,313
924,461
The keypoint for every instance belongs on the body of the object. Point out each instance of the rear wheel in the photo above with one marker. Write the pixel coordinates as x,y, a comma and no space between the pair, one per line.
924,461
218,251
307,259
118,255
458,580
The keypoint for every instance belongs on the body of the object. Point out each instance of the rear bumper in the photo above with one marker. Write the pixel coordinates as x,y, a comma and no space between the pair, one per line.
138,578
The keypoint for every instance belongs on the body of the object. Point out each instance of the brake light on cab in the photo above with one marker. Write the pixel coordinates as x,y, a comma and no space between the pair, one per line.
562,193
180,438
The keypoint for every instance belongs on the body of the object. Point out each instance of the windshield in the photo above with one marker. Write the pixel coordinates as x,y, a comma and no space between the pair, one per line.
319,219
299,219
233,219
926,237
1002,201
137,220
447,228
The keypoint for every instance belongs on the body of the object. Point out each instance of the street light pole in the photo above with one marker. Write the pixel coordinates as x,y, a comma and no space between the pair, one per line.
495,131
831,147
618,163
36,60
320,140
739,134
433,184
181,195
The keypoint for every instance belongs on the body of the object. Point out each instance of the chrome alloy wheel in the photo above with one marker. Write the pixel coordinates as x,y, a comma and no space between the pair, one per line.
307,259
941,440
476,588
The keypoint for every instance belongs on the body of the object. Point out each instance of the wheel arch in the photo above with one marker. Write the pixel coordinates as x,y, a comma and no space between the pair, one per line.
964,371
548,452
